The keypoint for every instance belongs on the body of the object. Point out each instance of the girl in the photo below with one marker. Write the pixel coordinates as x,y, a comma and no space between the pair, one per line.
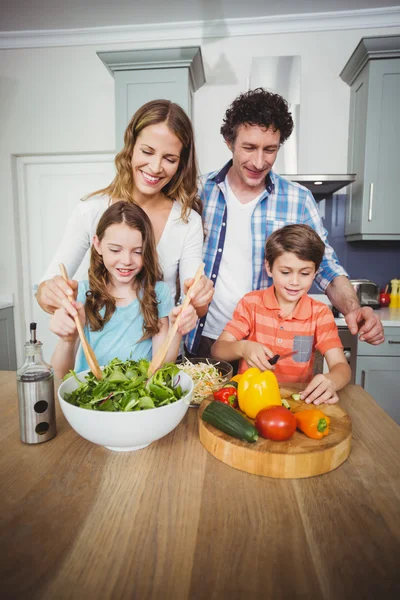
156,170
126,305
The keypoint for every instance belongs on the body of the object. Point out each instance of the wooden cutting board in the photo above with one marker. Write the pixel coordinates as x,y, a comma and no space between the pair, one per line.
298,457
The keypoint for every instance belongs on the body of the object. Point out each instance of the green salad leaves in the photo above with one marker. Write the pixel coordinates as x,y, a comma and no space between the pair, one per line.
125,387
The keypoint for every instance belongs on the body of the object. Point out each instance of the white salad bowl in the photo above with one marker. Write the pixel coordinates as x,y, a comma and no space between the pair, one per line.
123,431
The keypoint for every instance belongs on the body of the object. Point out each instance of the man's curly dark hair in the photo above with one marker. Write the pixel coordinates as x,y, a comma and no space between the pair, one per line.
258,107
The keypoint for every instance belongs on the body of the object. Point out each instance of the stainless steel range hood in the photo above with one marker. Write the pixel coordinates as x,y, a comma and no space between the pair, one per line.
322,186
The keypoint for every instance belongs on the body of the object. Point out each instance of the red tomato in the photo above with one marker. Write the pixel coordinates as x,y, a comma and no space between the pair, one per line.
275,423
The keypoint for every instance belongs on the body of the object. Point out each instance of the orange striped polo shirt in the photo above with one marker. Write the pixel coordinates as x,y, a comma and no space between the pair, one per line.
311,326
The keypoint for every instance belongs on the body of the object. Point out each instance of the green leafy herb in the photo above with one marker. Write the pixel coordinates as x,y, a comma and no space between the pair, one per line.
126,387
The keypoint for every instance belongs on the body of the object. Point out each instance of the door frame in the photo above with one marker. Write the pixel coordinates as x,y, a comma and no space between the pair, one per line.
23,295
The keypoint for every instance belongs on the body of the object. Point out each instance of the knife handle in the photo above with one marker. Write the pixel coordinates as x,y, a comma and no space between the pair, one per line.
274,359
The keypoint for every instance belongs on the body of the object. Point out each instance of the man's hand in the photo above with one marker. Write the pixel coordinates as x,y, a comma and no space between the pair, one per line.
367,324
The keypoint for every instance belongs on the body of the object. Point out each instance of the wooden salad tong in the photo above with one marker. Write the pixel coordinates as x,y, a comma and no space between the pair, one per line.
159,357
87,349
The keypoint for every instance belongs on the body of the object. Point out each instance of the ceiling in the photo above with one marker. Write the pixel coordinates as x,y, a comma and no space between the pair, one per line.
20,15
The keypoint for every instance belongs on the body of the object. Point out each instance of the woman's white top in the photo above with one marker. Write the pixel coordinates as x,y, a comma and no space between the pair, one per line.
180,245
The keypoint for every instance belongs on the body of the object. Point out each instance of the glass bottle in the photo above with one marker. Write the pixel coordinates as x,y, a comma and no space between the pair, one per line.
36,404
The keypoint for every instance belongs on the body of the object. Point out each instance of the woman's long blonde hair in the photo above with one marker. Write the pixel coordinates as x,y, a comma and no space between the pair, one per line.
183,185
98,296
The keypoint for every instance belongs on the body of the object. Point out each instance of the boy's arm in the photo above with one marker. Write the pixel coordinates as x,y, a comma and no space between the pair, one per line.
323,388
227,347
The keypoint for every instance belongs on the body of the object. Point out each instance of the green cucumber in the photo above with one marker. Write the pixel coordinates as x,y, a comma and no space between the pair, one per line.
227,419
296,397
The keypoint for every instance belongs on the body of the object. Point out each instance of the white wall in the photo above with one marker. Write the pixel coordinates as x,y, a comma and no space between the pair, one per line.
61,100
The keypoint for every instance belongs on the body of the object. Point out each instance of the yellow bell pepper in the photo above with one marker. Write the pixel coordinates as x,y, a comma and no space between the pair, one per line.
257,390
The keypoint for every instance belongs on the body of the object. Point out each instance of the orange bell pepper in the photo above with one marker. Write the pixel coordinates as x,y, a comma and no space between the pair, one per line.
257,390
314,423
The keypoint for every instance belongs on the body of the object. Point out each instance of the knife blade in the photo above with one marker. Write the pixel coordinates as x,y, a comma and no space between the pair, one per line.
276,357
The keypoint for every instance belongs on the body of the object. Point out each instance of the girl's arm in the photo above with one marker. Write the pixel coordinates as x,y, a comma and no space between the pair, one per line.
62,324
63,358
323,387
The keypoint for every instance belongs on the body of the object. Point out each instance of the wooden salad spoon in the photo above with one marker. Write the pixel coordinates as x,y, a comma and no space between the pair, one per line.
87,349
159,357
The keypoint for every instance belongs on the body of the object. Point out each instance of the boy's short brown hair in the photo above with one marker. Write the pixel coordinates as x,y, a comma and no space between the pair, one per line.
302,240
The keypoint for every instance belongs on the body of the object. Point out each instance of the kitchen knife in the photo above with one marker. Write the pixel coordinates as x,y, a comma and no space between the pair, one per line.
274,359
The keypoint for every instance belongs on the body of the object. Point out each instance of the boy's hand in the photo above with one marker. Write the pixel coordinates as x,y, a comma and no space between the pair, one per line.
187,320
62,322
320,390
257,355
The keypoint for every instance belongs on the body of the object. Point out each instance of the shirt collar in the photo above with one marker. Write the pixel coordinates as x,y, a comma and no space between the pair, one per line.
302,312
220,176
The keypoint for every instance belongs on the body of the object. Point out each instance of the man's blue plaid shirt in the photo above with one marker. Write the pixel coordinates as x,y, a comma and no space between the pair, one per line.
282,203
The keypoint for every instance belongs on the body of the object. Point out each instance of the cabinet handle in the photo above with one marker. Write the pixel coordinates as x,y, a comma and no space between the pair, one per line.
363,379
393,342
371,197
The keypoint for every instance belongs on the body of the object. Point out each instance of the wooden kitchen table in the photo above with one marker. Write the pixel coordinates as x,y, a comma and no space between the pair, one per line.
172,522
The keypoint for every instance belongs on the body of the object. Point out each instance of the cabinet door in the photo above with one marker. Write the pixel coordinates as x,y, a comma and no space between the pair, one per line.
381,211
380,378
8,360
136,87
373,210
357,145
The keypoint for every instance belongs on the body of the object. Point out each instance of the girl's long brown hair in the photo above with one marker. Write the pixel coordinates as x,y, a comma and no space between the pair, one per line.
98,297
183,185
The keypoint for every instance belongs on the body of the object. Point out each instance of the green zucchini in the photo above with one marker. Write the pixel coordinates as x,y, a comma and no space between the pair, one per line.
227,419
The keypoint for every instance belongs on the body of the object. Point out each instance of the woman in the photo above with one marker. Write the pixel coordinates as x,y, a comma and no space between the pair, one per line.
157,171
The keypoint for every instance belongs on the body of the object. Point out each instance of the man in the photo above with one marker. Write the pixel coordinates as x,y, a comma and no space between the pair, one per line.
244,203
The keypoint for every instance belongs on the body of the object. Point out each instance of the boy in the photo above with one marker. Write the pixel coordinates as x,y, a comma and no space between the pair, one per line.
283,318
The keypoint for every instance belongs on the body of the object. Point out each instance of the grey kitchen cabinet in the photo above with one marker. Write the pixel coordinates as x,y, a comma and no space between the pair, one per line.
8,359
373,72
378,371
143,75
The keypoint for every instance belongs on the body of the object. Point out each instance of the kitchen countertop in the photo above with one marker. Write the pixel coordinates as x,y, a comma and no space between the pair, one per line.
6,300
172,522
390,317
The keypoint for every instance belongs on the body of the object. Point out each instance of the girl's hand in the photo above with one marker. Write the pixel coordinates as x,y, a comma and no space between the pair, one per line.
52,292
320,390
187,320
202,293
257,355
62,322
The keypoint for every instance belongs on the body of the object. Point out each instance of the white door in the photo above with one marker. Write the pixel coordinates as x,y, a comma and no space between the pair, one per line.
48,189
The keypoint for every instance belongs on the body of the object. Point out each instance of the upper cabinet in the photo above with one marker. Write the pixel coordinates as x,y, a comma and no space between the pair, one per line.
373,201
143,75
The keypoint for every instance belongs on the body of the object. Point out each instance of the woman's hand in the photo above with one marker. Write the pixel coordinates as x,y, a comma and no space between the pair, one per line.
320,390
201,294
187,320
62,322
256,355
52,292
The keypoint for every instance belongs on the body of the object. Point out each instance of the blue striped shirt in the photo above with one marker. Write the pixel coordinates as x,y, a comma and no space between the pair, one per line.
283,203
